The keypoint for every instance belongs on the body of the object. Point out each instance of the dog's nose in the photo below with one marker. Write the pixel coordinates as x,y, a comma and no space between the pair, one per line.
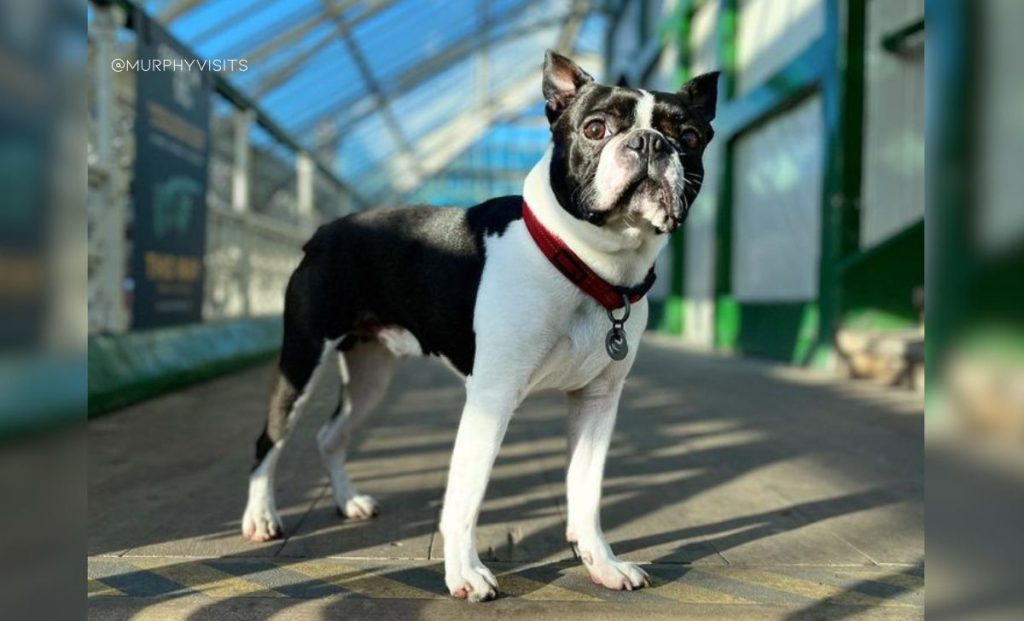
647,142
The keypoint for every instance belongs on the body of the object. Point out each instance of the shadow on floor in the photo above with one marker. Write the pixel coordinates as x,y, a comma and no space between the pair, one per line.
713,460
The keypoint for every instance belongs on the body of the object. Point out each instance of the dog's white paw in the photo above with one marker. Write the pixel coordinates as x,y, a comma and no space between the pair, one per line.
261,524
618,575
475,583
360,507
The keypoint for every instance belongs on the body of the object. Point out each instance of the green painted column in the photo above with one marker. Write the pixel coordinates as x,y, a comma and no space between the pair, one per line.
727,315
842,89
949,114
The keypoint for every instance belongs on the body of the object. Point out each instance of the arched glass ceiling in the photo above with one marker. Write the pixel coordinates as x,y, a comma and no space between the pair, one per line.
389,91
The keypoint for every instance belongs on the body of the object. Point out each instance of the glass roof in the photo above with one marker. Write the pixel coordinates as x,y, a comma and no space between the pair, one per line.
391,92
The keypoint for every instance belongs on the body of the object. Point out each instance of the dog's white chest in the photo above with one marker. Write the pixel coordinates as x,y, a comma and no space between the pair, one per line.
519,286
579,355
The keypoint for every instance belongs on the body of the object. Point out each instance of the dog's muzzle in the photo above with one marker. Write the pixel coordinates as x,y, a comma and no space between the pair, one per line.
648,145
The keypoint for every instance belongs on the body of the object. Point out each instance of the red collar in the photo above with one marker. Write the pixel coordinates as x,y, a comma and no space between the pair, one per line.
578,272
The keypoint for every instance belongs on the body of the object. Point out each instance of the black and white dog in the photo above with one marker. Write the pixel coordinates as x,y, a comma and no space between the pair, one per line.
518,294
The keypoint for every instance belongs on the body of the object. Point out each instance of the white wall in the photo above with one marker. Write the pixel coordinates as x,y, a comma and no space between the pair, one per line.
777,191
771,33
892,189
1001,131
699,277
249,259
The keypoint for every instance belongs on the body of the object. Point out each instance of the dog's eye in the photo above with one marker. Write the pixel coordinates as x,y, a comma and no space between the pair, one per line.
594,130
689,139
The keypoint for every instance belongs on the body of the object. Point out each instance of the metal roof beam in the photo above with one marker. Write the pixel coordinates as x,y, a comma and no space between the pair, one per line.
178,8
272,40
448,142
286,72
459,51
421,72
444,144
232,19
366,73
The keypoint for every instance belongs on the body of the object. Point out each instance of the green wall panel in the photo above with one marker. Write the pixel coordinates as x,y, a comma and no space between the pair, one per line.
780,331
126,368
727,322
878,285
672,315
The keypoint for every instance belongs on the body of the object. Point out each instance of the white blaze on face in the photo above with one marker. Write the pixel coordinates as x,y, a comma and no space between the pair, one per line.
616,169
612,175
644,111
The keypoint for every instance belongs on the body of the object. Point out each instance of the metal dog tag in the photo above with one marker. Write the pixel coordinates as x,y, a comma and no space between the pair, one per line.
616,343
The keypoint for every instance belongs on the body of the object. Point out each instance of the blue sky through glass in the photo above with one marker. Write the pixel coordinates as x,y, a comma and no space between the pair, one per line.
433,61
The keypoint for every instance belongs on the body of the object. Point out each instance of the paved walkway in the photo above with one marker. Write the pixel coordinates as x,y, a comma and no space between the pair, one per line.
751,491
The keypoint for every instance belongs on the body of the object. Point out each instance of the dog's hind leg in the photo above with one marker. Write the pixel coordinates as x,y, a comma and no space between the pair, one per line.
366,370
299,367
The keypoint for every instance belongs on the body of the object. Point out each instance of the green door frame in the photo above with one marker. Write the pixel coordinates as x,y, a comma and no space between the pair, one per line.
833,67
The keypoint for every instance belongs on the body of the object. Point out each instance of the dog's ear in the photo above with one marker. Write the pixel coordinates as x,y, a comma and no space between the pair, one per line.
701,93
563,79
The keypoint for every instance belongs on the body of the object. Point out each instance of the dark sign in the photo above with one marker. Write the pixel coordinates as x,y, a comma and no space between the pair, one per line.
172,127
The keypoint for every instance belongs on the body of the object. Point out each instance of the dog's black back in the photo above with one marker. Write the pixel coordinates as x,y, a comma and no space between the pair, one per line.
415,267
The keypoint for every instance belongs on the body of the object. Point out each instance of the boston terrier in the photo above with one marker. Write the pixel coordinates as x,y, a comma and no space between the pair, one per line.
518,294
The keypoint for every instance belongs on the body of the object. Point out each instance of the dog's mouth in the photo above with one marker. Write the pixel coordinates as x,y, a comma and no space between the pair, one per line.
631,189
647,202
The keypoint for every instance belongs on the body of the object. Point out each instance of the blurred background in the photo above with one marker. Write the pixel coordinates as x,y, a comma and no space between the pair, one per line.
805,247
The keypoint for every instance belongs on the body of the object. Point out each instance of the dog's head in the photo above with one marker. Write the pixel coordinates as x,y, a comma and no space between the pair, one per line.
626,158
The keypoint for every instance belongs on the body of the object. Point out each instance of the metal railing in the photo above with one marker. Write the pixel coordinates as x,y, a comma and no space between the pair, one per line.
249,258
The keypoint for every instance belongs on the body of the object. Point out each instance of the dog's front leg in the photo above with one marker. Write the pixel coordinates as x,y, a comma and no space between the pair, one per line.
592,413
516,320
483,424
501,372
